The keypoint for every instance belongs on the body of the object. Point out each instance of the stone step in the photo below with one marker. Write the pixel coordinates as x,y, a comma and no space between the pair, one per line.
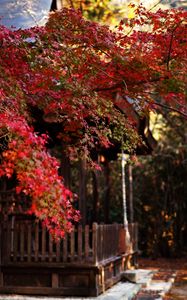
156,289
139,276
121,291
145,282
160,286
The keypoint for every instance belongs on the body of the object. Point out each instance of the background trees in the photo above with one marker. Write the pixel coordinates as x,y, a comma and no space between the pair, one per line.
160,192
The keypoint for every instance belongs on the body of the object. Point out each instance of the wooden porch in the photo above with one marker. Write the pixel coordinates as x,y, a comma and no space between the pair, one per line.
85,263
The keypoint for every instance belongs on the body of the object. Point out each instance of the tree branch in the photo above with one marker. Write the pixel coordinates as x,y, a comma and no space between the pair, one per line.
171,108
123,83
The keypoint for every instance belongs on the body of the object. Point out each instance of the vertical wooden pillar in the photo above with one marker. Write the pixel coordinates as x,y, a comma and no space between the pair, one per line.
82,190
107,193
65,169
55,280
95,244
96,202
6,237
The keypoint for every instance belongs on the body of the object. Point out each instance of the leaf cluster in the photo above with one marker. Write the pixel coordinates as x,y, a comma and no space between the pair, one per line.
83,85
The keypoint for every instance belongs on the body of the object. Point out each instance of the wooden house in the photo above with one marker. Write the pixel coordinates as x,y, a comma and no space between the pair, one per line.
84,263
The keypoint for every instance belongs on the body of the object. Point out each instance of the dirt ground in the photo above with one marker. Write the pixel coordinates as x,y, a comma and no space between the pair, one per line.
167,266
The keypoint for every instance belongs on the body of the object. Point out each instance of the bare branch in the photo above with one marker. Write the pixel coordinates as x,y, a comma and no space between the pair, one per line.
170,108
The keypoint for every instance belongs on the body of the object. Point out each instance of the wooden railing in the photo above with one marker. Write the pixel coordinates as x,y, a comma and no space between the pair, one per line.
107,239
110,240
25,240
29,241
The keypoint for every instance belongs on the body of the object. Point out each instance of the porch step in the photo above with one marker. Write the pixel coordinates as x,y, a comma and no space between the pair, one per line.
158,287
139,276
121,291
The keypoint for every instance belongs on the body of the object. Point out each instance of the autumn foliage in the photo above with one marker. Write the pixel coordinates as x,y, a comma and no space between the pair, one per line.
67,75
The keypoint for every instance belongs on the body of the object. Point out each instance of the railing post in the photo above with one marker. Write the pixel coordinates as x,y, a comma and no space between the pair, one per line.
72,244
6,238
95,242
29,242
58,254
79,238
65,248
22,241
136,236
86,241
36,241
117,230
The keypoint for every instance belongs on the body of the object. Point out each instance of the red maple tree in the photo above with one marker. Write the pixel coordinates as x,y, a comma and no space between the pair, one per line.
67,75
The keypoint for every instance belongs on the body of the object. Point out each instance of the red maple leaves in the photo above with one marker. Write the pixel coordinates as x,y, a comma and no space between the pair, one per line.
71,70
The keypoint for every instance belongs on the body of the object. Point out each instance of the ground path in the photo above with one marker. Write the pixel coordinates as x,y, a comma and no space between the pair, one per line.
168,272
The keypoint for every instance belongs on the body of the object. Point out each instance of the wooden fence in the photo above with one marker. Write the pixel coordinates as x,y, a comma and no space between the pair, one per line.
107,241
26,240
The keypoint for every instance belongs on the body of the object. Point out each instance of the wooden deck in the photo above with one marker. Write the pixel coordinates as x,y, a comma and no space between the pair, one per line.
84,263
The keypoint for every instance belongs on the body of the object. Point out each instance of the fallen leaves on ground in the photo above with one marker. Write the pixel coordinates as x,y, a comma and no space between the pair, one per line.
167,267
